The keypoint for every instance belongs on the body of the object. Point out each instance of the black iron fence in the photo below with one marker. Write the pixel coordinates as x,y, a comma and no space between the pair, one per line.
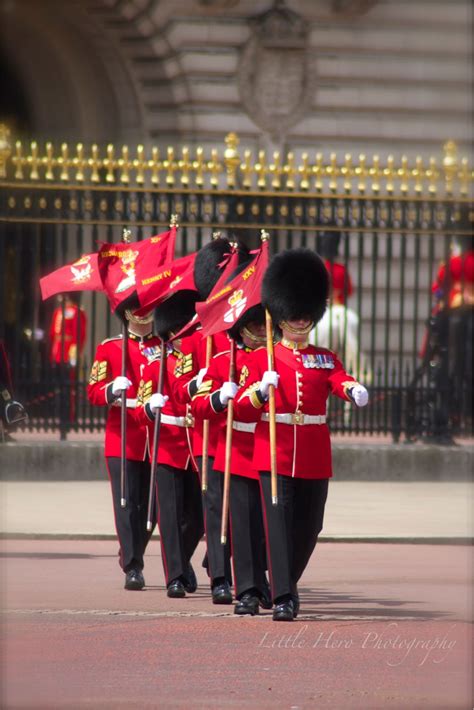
383,230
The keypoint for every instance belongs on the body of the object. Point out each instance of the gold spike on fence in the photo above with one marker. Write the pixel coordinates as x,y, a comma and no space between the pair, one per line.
228,169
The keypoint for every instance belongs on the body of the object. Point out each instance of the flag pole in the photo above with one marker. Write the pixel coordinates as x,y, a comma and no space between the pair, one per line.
228,449
157,427
126,234
205,426
205,423
271,396
156,438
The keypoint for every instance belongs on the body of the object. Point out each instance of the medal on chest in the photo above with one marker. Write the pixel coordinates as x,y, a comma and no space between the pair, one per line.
318,361
151,352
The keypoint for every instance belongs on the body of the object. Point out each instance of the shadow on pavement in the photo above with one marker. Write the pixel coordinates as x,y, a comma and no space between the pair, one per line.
319,603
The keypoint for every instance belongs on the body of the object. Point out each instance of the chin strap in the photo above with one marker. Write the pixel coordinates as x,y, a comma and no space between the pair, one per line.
284,325
253,338
139,320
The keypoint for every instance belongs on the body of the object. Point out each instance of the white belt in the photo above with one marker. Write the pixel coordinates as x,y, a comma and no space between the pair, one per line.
296,418
244,426
178,421
130,403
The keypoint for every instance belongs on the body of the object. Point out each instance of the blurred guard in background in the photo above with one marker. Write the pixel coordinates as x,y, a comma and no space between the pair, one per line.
11,411
67,349
67,338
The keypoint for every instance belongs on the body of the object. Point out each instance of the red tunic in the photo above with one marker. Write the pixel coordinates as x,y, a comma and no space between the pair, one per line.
307,377
74,327
459,279
193,358
174,447
341,284
107,366
207,406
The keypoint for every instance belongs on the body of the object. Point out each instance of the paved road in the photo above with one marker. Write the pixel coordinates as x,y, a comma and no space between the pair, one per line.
356,510
381,626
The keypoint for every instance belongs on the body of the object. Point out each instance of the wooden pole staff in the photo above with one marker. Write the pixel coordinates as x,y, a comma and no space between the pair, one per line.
156,438
123,404
271,405
205,423
228,449
205,426
264,236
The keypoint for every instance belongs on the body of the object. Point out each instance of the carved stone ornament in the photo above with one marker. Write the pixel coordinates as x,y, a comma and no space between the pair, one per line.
275,74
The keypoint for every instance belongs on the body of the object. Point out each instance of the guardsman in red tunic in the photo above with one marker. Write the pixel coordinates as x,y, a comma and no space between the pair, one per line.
67,339
295,290
67,348
106,385
454,286
179,508
246,523
189,376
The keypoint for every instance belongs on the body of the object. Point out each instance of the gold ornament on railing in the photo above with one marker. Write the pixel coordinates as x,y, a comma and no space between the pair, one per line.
64,163
450,162
375,173
305,172
228,170
5,149
347,172
261,170
290,171
231,158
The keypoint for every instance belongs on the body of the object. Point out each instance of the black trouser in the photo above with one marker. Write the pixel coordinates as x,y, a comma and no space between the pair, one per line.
130,522
218,555
179,517
291,527
248,537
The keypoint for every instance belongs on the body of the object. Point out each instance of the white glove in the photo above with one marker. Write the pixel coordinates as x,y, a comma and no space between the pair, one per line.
119,385
227,391
200,376
270,377
157,401
360,395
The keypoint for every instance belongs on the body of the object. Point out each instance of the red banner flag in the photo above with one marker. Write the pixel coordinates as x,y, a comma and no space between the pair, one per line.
155,285
228,266
119,263
81,275
228,302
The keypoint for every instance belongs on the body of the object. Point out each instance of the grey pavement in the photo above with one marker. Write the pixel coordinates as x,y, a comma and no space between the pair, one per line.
364,511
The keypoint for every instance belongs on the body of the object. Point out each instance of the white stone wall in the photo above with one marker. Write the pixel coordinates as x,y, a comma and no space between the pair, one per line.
393,79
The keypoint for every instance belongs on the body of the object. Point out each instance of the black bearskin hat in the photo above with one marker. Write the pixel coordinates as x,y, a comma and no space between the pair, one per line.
174,313
296,285
206,265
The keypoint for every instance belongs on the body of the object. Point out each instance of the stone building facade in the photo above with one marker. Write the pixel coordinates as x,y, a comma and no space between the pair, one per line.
370,76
